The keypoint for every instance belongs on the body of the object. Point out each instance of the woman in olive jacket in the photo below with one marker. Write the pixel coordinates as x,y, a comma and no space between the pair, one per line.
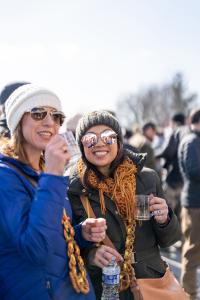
110,177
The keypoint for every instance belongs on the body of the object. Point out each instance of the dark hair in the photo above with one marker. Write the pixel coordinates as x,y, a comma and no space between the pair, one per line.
179,118
128,133
148,125
195,116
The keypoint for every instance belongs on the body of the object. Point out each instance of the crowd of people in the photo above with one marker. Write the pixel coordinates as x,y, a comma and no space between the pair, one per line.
51,247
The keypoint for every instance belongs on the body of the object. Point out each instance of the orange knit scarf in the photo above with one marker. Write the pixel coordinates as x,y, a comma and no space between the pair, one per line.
121,189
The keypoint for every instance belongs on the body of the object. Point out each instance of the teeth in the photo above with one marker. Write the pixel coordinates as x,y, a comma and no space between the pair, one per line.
100,153
45,133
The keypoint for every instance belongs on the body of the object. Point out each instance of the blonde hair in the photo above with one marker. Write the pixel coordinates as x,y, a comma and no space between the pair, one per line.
14,147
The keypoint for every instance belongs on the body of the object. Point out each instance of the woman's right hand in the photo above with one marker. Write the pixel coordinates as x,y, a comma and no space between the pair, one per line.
56,155
102,255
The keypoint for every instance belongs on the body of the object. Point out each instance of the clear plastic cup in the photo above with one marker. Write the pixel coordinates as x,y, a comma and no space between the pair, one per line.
72,147
142,207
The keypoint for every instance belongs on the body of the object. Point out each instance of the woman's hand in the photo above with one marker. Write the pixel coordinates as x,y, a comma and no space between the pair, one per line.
56,155
94,230
159,209
102,255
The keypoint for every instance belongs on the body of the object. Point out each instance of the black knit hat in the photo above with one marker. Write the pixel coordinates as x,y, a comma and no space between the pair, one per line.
94,118
9,89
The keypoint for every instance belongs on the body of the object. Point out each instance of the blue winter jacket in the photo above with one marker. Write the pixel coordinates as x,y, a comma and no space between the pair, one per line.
33,251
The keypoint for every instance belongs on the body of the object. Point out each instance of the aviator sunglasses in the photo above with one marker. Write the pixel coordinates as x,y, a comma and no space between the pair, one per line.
40,113
90,139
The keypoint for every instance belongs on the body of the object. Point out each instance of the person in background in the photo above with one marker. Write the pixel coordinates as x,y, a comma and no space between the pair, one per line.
177,120
39,257
169,152
72,123
5,93
143,145
150,132
110,176
127,133
189,162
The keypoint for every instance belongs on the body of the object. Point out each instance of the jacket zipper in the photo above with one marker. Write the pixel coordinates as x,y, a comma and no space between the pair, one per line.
49,289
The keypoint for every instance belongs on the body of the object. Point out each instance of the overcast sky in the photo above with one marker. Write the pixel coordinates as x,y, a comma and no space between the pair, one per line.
91,52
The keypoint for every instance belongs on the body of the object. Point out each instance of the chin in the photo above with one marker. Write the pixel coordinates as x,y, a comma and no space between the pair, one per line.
41,146
102,165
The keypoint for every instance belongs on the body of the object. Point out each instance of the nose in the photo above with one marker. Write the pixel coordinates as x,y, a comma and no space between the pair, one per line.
99,141
48,120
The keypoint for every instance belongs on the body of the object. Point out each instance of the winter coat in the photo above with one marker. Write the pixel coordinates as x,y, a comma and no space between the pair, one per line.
169,151
149,235
189,161
33,251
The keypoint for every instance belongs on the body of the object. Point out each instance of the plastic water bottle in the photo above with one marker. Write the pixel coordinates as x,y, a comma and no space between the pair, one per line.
110,281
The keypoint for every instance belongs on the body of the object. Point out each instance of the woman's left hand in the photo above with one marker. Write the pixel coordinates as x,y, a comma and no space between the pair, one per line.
94,230
159,209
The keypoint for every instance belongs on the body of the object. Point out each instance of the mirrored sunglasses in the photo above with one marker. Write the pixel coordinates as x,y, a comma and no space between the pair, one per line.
90,139
40,113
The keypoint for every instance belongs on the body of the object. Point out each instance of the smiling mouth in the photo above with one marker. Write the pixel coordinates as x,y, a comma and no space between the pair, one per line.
45,134
100,153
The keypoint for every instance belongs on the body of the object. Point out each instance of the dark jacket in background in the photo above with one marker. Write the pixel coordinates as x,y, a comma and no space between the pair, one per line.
169,151
189,160
149,235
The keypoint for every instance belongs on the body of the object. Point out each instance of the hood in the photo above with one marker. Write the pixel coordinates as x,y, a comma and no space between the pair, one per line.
138,158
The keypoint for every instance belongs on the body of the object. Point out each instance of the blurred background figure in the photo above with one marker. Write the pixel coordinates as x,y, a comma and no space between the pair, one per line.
154,135
169,152
127,134
178,120
143,145
72,122
5,93
149,130
189,161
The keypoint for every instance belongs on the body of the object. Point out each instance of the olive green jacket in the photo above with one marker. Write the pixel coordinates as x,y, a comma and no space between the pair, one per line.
149,235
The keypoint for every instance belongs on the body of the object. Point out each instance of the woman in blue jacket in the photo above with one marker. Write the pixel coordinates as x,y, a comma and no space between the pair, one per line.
39,249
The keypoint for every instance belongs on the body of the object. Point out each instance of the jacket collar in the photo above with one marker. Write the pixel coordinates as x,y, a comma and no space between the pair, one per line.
137,158
18,164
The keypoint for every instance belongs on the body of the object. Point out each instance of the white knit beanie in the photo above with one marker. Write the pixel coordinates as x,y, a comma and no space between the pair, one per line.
24,99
